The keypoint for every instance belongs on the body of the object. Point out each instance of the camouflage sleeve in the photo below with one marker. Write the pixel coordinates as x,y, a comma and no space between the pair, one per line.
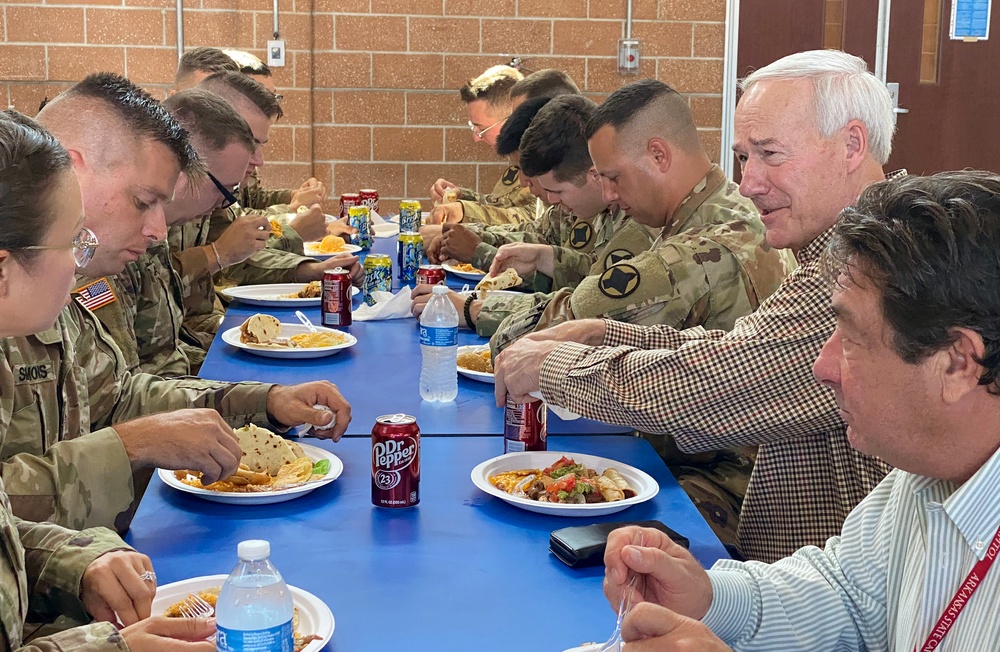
483,256
194,269
55,559
266,266
495,308
485,214
118,315
570,267
257,197
95,637
468,194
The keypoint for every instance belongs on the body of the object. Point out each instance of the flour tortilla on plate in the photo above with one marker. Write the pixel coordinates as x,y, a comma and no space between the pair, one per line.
265,452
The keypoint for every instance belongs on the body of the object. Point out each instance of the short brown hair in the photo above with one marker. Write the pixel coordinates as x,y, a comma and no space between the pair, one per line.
209,120
493,86
204,59
545,83
231,86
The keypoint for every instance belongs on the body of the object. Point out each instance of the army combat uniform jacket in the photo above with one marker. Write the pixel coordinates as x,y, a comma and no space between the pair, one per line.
64,390
709,266
509,203
145,316
42,566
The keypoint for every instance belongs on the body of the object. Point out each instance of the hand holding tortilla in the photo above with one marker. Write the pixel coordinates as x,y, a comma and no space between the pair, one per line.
508,278
525,258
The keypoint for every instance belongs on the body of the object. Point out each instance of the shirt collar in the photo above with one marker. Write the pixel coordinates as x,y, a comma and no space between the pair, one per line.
974,507
708,186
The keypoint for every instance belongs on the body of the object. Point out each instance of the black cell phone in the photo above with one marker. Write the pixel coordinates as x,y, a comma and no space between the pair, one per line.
582,546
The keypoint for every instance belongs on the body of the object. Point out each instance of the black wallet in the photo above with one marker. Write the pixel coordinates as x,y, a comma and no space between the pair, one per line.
583,546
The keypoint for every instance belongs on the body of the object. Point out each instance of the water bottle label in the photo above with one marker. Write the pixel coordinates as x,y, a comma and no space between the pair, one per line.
273,639
430,336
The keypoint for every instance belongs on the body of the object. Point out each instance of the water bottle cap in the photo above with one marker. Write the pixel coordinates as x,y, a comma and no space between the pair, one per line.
253,550
440,290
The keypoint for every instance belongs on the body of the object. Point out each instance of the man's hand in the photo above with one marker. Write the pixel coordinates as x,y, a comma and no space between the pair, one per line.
312,191
524,258
458,242
296,404
310,224
430,231
197,439
444,213
517,368
340,227
583,331
668,574
113,583
309,271
652,628
440,187
247,235
422,293
433,250
162,634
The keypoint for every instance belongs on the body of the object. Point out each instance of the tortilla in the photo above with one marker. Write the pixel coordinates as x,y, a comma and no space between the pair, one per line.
265,452
506,279
260,329
620,482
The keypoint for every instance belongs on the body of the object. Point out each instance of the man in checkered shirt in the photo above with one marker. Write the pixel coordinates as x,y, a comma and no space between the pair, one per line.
812,130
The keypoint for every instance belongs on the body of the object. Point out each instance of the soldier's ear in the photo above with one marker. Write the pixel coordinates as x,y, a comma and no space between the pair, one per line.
660,151
4,264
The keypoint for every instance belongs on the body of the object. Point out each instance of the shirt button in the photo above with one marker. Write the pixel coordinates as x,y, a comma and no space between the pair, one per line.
979,545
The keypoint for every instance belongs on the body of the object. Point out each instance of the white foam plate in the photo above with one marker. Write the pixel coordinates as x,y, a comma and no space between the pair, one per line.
481,376
643,483
232,337
589,647
385,229
272,295
448,266
263,497
311,250
314,616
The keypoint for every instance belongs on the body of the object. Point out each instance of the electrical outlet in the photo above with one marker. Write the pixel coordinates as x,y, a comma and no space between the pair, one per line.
276,53
628,56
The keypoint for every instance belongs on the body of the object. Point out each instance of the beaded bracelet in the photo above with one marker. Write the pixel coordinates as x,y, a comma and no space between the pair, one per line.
468,313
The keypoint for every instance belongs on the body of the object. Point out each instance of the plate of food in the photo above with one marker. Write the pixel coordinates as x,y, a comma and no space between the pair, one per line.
462,270
286,295
312,620
331,245
264,335
564,484
272,470
474,363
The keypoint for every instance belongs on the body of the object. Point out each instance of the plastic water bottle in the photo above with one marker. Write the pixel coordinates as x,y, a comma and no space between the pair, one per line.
439,348
254,610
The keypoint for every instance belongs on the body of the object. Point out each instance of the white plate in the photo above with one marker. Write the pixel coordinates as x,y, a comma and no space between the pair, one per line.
589,647
263,497
385,229
448,267
331,218
314,616
272,295
424,216
312,251
481,376
644,484
502,293
232,337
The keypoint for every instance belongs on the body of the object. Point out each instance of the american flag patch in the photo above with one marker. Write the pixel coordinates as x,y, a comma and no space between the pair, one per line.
95,295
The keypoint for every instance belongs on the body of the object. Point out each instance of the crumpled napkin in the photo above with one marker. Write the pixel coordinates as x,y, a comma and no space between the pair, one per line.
560,412
376,218
387,306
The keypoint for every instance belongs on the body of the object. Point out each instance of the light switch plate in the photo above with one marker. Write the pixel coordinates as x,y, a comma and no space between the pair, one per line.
276,53
628,56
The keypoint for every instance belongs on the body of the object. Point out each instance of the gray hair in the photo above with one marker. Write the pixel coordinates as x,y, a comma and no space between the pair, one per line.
844,91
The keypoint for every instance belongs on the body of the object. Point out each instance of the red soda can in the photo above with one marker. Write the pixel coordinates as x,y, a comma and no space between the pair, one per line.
336,301
369,198
349,200
524,426
430,274
395,461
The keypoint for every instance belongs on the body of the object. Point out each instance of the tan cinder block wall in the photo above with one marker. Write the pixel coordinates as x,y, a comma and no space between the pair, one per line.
371,85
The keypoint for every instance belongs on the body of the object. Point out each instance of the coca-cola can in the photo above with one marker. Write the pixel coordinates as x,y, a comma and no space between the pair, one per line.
430,274
524,426
395,461
369,198
336,301
349,200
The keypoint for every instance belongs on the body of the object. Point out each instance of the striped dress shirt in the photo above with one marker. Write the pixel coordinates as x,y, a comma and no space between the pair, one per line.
753,385
882,584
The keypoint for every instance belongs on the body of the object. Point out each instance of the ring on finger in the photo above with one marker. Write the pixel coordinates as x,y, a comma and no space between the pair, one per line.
148,576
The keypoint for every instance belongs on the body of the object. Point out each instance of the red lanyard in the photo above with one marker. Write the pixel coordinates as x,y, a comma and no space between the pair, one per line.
969,586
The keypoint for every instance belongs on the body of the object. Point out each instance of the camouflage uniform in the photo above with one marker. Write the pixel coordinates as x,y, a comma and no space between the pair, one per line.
256,197
509,203
42,565
708,267
146,319
62,459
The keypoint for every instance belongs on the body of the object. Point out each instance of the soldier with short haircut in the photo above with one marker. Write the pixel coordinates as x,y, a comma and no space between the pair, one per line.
548,82
197,64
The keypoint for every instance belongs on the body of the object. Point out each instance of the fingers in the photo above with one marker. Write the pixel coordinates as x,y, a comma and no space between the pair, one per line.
119,587
648,620
180,629
499,382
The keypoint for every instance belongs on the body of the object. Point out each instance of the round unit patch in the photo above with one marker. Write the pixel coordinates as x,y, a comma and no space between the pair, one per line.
619,281
581,236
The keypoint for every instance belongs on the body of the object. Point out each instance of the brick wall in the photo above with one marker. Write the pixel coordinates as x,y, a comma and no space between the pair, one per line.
370,85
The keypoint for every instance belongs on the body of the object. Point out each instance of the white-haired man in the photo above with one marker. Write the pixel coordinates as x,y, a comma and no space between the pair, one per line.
812,130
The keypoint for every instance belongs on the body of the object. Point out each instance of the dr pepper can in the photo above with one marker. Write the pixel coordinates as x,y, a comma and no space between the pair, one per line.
395,461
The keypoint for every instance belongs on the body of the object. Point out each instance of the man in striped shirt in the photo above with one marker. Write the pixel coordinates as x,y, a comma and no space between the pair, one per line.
812,130
914,363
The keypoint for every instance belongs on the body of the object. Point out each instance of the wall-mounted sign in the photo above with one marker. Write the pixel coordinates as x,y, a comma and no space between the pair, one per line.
970,20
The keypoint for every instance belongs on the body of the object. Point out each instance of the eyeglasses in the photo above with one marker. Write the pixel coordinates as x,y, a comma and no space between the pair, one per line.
84,245
478,133
228,195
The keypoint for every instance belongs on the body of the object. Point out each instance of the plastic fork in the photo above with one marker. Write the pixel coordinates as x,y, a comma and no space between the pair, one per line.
614,643
305,321
195,606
